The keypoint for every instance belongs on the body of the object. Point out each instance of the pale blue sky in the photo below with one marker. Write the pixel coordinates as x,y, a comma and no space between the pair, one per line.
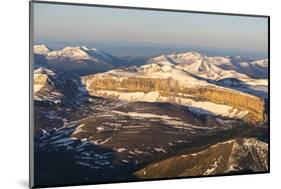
67,23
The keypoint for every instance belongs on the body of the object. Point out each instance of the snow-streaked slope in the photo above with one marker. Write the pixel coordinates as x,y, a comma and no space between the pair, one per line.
79,53
80,60
221,69
233,156
200,107
55,86
43,86
202,65
97,53
203,68
162,70
73,53
257,69
197,62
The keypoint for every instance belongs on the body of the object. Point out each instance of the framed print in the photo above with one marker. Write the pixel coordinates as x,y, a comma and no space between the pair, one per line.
125,94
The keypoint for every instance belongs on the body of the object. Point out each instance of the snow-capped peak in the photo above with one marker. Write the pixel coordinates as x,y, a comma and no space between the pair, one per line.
84,47
196,63
162,60
76,48
188,56
41,49
97,53
192,53
73,53
78,54
178,58
202,67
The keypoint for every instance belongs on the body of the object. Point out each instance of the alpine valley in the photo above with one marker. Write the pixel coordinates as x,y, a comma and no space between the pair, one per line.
101,118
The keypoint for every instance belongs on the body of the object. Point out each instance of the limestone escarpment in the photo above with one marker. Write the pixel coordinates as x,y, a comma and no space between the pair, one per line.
170,87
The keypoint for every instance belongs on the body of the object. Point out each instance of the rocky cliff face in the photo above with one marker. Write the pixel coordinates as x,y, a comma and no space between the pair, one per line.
40,80
55,86
252,106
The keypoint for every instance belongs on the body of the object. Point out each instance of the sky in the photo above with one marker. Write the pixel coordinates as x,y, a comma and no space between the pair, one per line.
130,32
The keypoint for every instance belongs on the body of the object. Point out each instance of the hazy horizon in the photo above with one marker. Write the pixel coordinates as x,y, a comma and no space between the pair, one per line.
127,32
148,50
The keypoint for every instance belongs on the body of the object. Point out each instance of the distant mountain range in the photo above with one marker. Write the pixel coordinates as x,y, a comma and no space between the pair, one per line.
83,60
79,60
